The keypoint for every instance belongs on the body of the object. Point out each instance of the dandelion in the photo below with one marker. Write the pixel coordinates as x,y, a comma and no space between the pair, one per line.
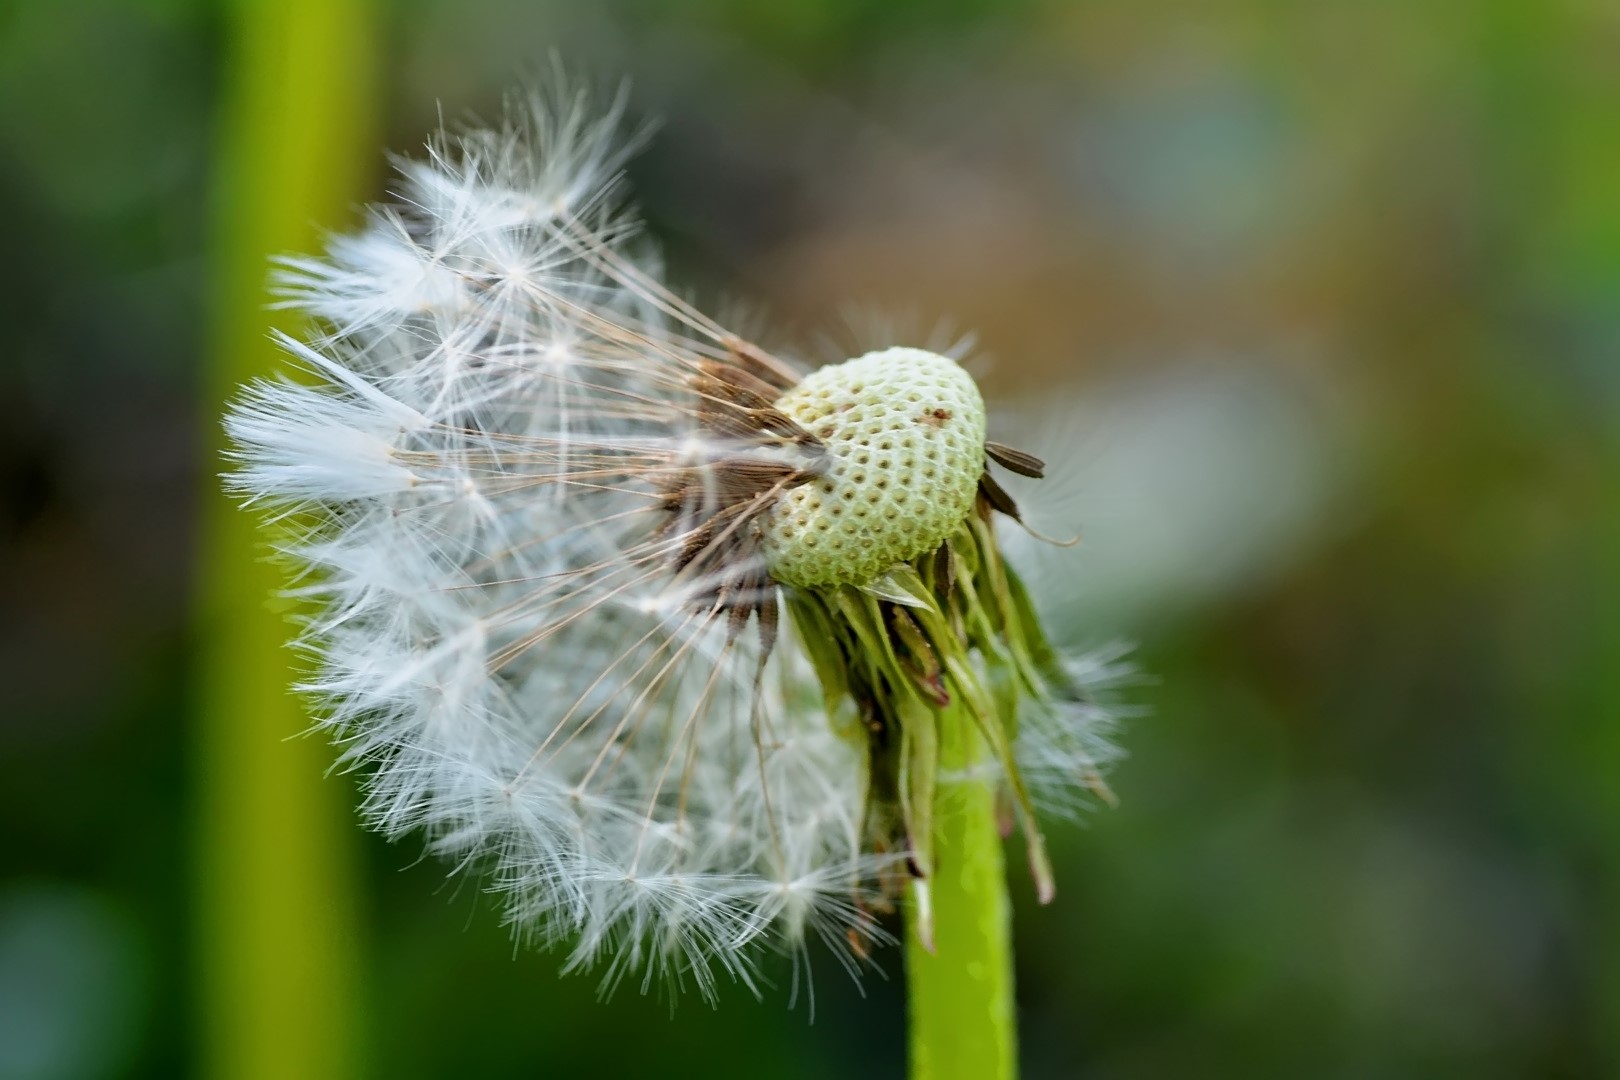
681,645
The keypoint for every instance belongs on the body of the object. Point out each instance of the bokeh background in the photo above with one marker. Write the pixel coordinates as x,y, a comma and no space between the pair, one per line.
1315,305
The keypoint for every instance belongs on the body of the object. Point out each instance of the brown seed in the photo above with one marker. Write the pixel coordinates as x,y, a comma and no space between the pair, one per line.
1016,460
997,497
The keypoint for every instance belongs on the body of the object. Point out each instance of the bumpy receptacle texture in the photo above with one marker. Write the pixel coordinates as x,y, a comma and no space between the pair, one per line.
904,430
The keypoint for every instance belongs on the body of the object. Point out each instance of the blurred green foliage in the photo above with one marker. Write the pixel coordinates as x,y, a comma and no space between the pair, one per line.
1371,825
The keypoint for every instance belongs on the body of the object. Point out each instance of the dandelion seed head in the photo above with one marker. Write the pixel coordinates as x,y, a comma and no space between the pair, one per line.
576,566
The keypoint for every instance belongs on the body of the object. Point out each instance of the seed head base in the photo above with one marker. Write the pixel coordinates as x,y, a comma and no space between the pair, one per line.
904,432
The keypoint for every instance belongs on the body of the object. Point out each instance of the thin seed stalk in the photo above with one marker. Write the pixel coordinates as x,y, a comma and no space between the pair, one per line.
961,1001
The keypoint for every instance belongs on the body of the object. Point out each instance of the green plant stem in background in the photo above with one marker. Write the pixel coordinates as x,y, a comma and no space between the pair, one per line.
963,1022
275,912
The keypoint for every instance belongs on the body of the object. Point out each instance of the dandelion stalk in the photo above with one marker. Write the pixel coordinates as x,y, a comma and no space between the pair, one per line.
960,985
275,909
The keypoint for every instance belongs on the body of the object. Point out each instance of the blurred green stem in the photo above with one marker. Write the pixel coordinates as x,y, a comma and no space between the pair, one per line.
963,1022
277,952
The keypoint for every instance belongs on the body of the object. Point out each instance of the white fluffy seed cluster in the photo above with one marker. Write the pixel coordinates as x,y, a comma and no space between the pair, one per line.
904,430
471,487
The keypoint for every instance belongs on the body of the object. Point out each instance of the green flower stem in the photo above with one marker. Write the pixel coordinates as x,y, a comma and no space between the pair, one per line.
277,954
963,1022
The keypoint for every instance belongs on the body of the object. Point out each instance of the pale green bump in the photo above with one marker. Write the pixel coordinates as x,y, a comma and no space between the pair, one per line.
904,432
